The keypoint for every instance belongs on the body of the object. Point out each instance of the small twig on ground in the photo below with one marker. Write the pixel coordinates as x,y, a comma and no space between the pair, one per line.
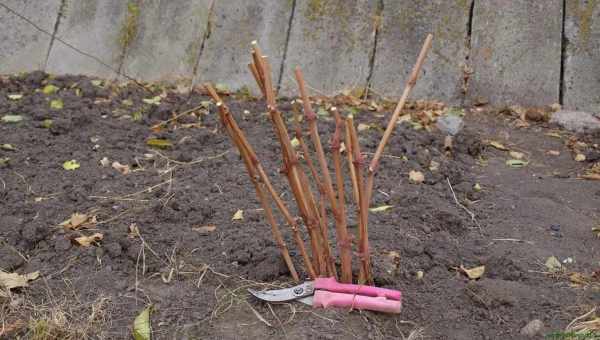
278,320
509,240
472,214
165,122
196,161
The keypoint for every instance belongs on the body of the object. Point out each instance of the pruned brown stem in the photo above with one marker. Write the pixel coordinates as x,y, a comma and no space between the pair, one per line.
259,81
322,208
254,167
412,80
344,243
363,208
311,119
250,160
325,184
302,194
351,166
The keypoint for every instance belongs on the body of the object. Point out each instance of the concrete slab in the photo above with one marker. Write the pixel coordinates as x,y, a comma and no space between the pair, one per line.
516,51
168,39
404,26
332,41
93,27
582,58
22,46
235,25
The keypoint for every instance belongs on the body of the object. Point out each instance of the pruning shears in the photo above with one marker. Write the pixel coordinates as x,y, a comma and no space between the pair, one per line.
327,292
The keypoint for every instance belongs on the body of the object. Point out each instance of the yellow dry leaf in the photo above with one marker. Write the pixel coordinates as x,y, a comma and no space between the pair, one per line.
473,273
77,219
87,241
553,264
295,142
416,176
579,157
381,208
553,152
516,154
14,280
578,279
71,165
498,145
141,325
239,215
134,231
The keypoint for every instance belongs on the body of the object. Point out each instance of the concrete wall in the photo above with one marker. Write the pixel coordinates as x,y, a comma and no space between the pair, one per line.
503,51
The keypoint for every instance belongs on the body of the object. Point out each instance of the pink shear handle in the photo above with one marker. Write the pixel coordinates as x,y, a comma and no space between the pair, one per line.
332,285
327,299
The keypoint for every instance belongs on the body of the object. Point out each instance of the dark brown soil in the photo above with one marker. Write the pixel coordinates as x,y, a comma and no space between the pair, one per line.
197,280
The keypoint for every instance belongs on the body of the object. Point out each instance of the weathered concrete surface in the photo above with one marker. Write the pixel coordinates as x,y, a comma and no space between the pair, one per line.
404,26
235,24
93,27
331,40
22,47
516,51
582,60
576,121
167,40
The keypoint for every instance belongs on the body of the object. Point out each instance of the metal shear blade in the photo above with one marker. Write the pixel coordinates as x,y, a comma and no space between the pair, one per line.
300,292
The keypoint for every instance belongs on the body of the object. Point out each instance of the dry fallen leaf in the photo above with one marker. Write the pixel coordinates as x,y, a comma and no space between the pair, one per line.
516,163
516,154
77,220
239,215
498,145
134,231
579,279
71,165
473,273
205,229
553,152
579,157
594,177
416,176
87,241
9,281
381,208
553,264
434,166
362,127
104,161
141,325
124,169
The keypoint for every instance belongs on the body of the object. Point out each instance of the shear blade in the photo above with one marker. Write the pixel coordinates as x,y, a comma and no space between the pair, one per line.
287,294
